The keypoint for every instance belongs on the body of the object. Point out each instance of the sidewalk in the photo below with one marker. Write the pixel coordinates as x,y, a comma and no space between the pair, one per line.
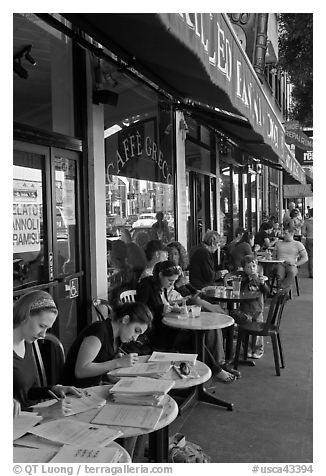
272,416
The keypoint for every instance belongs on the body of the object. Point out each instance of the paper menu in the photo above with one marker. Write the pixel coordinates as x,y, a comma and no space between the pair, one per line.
24,422
76,433
142,386
23,454
136,416
72,454
173,357
143,369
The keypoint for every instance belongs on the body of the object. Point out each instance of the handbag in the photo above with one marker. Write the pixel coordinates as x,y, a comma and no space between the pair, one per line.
182,451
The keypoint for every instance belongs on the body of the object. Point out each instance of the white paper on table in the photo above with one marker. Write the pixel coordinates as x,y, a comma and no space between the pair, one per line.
33,455
142,386
173,357
76,433
24,422
129,415
78,404
33,441
72,454
143,369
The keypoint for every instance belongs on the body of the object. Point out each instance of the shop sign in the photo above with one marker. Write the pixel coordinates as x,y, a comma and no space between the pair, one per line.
212,37
135,152
298,138
292,166
297,191
304,158
26,217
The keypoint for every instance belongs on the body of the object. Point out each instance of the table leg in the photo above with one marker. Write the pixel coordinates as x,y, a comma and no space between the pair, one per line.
203,395
158,445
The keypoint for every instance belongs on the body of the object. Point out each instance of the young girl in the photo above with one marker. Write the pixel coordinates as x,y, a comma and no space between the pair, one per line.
34,313
96,350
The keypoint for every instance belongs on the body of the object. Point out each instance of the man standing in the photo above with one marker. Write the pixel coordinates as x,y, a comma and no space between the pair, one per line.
201,267
307,233
160,228
294,254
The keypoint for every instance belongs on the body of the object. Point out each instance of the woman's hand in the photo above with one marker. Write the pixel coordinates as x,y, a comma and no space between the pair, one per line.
127,360
62,390
182,281
59,409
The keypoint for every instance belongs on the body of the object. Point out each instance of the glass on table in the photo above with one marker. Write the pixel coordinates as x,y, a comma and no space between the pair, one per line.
236,286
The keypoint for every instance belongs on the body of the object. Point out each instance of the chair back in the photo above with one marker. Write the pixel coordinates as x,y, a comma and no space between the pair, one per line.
49,356
276,309
128,296
102,308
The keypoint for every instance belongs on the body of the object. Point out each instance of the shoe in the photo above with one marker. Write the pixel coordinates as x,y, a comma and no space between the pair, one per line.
257,355
249,355
232,371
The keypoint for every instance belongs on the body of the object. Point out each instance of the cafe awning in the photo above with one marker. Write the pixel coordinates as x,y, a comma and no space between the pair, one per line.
198,57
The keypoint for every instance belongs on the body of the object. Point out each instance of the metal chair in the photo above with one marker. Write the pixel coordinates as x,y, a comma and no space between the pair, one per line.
128,296
103,308
269,328
49,357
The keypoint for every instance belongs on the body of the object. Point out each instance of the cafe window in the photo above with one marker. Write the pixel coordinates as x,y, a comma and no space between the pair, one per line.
42,81
139,163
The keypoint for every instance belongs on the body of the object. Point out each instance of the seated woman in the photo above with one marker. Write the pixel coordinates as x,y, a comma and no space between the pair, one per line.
34,313
182,288
152,290
96,349
244,247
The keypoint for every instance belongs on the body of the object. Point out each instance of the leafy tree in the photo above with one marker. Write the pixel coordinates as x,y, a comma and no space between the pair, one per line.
295,57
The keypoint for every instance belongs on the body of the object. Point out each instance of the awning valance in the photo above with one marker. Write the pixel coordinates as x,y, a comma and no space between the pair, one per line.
198,56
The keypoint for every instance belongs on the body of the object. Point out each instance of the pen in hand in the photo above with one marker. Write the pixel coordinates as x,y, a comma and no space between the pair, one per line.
52,394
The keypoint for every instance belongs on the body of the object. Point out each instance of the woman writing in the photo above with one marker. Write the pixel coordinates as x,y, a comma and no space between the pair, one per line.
34,313
96,350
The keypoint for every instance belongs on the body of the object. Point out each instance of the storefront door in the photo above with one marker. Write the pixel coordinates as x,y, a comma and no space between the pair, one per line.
47,252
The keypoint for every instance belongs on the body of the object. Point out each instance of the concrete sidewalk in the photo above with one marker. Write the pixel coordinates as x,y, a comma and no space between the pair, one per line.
272,416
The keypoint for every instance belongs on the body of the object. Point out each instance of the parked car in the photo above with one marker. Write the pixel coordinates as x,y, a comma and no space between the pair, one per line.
130,220
145,220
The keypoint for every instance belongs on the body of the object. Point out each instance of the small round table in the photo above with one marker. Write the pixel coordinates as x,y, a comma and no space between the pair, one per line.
158,436
200,325
202,369
230,301
267,264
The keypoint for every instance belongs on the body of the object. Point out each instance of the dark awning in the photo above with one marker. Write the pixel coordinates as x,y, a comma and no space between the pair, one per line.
197,57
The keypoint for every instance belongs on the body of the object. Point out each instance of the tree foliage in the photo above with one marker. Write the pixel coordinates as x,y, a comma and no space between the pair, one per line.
296,58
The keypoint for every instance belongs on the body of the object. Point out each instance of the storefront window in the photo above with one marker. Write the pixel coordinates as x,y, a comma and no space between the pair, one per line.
236,196
225,201
139,164
42,91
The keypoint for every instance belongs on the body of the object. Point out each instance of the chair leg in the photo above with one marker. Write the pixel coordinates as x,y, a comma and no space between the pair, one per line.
281,350
245,346
275,352
290,293
297,285
237,351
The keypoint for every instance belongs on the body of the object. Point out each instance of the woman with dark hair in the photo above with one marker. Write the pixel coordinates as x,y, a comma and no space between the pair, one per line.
96,349
152,290
34,313
244,247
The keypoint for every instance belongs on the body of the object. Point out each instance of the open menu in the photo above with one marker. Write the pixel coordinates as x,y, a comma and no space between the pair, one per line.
129,415
76,433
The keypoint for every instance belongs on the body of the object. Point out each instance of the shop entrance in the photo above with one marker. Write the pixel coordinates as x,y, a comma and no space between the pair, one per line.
46,231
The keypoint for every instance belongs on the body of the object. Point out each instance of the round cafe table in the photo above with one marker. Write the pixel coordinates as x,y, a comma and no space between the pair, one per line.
230,301
267,264
200,325
158,436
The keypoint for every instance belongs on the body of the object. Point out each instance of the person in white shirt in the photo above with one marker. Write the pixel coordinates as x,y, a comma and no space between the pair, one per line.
307,234
294,254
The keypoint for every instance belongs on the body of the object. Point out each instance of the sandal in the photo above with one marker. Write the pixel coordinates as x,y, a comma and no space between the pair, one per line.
225,377
232,371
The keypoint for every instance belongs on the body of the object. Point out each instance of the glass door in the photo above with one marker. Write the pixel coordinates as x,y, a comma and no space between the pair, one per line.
47,252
